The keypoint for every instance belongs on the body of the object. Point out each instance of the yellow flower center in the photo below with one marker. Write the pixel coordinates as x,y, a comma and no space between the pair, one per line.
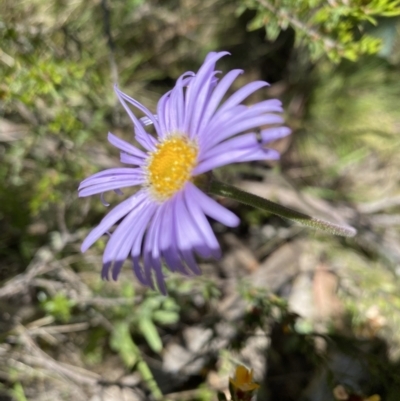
170,166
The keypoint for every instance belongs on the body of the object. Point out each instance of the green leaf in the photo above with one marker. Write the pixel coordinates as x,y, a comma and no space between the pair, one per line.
165,317
150,333
121,342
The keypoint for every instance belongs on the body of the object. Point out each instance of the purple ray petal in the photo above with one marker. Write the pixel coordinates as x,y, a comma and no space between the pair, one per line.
139,271
272,134
233,117
129,159
108,186
122,239
236,156
242,94
112,217
167,239
196,84
240,127
110,175
201,221
203,97
139,106
216,97
184,238
142,136
111,172
241,142
213,209
125,146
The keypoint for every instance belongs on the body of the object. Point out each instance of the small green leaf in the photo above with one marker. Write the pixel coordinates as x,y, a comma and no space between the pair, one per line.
150,333
165,317
121,342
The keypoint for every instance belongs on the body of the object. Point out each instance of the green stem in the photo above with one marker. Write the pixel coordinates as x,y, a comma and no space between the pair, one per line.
229,191
147,376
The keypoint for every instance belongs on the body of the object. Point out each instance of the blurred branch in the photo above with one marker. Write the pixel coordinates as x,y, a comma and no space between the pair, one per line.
38,357
39,265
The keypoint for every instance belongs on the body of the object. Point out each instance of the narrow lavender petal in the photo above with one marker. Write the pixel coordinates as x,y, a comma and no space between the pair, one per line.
240,127
190,261
125,146
111,175
270,106
116,269
141,135
105,270
202,100
175,106
193,233
272,134
185,79
177,100
220,123
139,106
111,172
187,234
213,209
143,222
112,217
171,108
162,115
210,56
168,239
147,120
144,275
216,97
261,154
196,84
184,238
171,117
242,94
109,186
119,244
121,241
255,152
129,159
138,269
202,222
233,117
174,262
236,143
151,241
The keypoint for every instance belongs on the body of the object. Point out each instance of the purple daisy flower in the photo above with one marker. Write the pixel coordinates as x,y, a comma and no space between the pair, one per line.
165,220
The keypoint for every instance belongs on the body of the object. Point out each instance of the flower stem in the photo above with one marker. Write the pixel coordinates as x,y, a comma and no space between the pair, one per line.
229,191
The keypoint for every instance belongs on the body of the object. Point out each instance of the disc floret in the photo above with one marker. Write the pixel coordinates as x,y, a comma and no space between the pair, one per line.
170,166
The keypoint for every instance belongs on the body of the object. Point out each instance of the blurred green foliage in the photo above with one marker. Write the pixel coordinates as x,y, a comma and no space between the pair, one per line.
334,28
59,306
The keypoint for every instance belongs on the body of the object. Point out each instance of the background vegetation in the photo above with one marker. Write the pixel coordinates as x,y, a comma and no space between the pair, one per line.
311,314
